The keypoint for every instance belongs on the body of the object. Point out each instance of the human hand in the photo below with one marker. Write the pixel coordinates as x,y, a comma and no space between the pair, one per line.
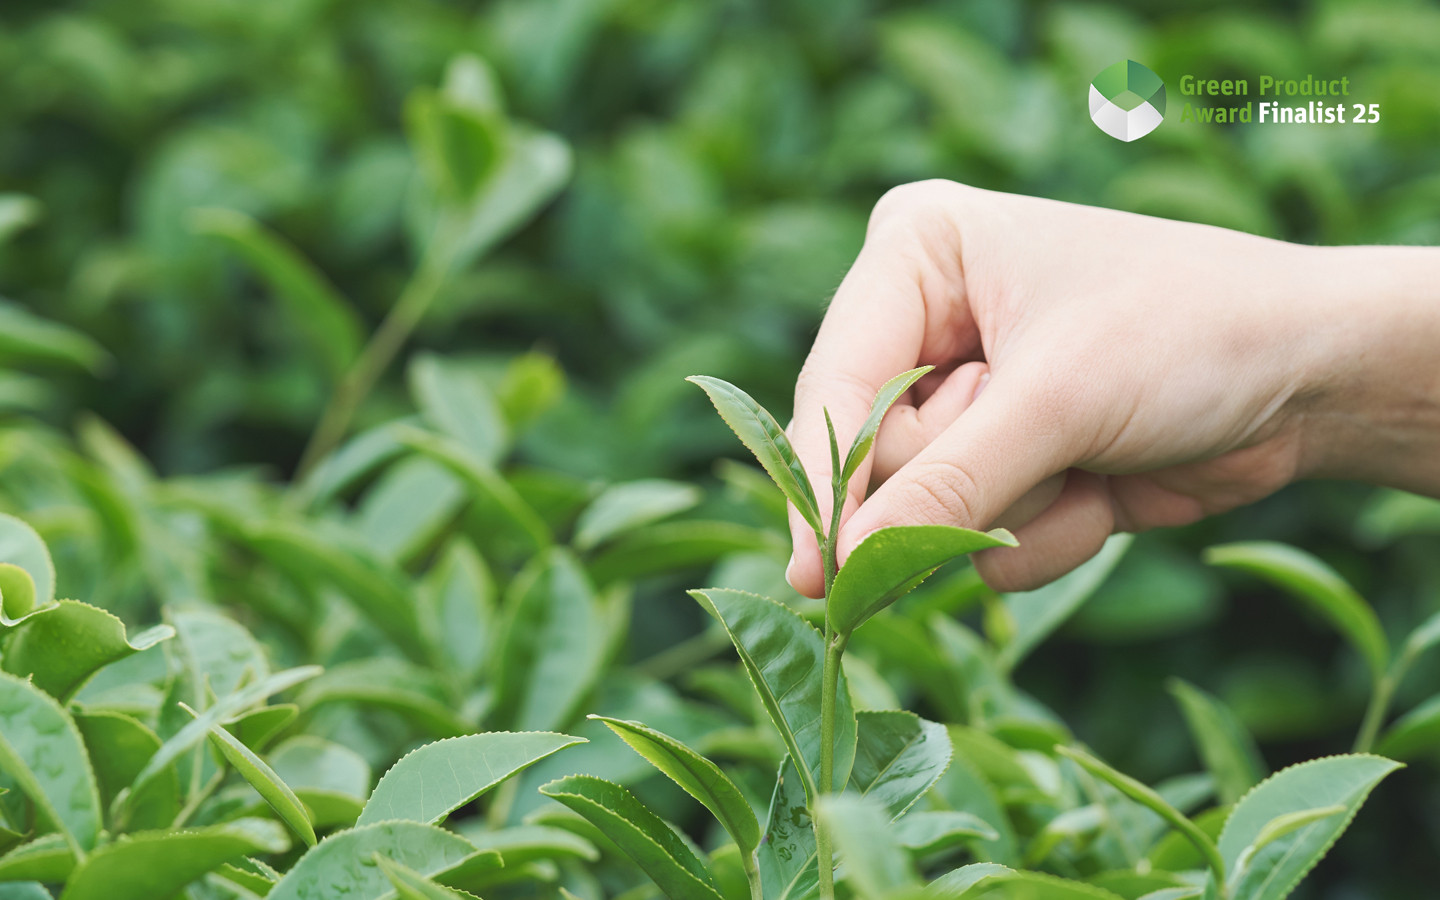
1101,371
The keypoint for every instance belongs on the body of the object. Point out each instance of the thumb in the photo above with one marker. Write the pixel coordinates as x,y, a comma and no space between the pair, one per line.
1006,443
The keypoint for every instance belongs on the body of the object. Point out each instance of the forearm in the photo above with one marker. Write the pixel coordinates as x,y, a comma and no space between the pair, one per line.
1374,414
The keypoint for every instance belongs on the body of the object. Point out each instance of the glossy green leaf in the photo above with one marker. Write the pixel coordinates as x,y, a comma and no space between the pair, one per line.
786,857
154,864
1316,585
927,831
312,305
1413,733
668,546
889,392
416,693
1078,826
432,781
458,403
482,480
63,648
266,783
458,146
48,858
521,844
637,831
119,747
257,727
1147,797
998,883
17,595
215,653
21,546
325,556
1173,893
898,757
353,461
1277,828
550,648
332,780
628,505
41,749
700,778
411,885
196,730
783,655
875,865
1226,748
1275,869
24,890
1036,614
891,562
26,337
457,602
764,437
344,863
407,508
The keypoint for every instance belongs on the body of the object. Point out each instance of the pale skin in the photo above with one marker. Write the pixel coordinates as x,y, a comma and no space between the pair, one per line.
1100,371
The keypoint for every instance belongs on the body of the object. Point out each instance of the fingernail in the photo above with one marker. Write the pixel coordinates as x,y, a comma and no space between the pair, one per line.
790,571
980,386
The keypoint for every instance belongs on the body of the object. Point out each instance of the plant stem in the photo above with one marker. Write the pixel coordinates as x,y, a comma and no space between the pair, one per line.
830,679
1375,713
752,875
372,362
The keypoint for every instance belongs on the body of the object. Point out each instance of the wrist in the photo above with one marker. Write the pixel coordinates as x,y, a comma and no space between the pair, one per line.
1371,410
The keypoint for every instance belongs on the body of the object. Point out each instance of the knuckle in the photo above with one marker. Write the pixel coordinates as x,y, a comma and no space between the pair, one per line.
918,201
943,492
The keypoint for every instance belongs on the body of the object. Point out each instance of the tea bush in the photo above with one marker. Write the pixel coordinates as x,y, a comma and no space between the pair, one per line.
364,516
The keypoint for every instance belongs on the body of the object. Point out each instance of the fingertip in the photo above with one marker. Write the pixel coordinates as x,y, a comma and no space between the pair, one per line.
804,572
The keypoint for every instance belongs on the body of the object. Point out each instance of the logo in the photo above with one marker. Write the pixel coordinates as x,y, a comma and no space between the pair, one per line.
1127,100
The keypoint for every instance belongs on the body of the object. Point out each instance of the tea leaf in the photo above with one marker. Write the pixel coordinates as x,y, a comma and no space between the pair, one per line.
40,748
1413,733
1276,868
318,556
482,480
533,383
160,863
265,782
522,844
875,865
926,831
23,890
119,747
783,655
891,562
387,683
764,437
72,641
889,392
48,858
1145,796
1036,614
21,546
459,404
1316,585
1279,827
668,546
641,834
331,780
457,602
429,783
626,506
408,507
1425,636
314,308
1226,748
550,645
700,778
411,885
17,595
998,883
344,864
26,337
196,730
898,757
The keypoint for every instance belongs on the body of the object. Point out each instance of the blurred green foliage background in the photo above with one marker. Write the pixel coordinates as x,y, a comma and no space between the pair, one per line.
726,156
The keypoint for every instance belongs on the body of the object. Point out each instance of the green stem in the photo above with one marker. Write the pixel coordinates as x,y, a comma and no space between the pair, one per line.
829,688
372,362
752,875
1375,713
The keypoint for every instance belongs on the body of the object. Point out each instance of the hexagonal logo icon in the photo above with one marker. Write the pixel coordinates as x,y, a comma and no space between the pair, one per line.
1127,100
